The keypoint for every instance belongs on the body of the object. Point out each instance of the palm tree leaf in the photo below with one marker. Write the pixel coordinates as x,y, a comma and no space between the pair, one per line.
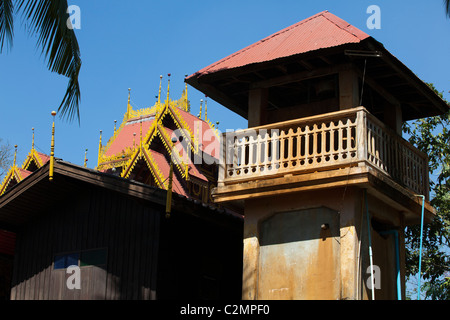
447,7
48,19
6,23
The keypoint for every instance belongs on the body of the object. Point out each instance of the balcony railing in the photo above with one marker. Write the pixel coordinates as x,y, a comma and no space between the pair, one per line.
320,143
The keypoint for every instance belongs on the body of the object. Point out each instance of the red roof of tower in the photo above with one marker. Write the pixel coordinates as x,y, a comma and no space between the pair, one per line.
318,42
323,30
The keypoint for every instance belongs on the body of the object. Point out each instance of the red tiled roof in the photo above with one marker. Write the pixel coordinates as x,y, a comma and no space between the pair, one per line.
323,30
209,142
164,166
23,173
125,138
179,146
43,157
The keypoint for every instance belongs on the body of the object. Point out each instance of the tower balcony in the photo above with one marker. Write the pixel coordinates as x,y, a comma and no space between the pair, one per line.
329,150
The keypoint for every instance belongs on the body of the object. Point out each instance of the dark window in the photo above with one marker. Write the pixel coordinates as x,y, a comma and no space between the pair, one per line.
93,258
64,261
96,257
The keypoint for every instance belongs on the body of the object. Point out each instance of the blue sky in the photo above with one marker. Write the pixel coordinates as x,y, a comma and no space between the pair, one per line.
129,44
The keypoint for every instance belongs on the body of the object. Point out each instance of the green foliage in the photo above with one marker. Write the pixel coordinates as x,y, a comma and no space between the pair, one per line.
47,21
432,136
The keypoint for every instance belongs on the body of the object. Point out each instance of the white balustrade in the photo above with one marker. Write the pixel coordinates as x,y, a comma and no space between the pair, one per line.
319,143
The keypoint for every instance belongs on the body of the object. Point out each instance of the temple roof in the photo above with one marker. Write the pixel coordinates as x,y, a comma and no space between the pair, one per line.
142,146
16,174
320,42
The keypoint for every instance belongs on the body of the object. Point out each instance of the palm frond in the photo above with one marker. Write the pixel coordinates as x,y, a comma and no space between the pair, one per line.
6,23
48,19
447,7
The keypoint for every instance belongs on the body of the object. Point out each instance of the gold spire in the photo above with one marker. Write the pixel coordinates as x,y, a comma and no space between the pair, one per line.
186,107
201,105
52,149
129,107
32,140
206,108
168,88
15,155
159,92
85,158
169,189
99,148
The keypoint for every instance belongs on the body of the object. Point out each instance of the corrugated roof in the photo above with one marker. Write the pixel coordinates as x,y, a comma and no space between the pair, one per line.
323,30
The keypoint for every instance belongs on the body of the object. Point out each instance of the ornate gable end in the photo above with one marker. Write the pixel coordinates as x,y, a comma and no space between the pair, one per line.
142,148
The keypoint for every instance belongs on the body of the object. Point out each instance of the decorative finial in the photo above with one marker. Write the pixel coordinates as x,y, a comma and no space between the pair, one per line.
206,108
32,140
168,88
159,93
201,105
186,103
15,155
169,189
52,149
85,158
129,108
99,149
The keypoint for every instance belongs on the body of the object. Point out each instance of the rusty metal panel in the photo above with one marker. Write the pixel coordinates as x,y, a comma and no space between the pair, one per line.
300,255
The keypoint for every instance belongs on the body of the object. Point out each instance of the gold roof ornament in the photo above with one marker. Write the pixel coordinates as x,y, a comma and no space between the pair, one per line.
52,149
15,155
168,88
206,108
159,92
100,148
129,107
85,158
32,140
186,102
201,106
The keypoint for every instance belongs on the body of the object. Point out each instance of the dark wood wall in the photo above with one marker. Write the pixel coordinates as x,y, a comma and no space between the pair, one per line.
200,259
148,256
93,218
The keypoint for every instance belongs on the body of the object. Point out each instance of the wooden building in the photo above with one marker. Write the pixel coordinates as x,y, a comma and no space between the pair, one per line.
112,222
326,181
116,231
